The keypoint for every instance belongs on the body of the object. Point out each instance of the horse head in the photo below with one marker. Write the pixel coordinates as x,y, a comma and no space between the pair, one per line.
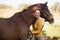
45,13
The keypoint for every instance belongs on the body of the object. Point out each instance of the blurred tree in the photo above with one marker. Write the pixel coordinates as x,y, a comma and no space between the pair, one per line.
3,6
23,6
56,7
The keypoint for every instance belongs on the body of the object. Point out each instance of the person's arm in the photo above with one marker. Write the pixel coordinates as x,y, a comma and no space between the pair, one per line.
39,26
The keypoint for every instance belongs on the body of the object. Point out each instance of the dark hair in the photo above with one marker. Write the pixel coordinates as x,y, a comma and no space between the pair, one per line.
33,22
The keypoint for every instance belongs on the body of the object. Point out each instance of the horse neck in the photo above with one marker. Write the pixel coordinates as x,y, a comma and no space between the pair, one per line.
25,17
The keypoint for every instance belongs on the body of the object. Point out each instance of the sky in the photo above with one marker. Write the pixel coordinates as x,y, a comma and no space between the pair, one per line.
15,3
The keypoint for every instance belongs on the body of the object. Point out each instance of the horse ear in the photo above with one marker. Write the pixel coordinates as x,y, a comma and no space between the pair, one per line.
46,3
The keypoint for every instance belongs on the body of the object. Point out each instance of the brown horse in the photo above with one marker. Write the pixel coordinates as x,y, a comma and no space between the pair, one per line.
17,26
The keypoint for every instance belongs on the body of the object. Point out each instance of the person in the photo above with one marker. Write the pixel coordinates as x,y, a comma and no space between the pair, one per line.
37,27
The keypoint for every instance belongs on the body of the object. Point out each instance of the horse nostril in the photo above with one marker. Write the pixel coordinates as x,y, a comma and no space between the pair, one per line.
51,21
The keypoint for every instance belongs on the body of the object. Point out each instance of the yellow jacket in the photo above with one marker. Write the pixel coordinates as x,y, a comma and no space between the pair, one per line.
37,28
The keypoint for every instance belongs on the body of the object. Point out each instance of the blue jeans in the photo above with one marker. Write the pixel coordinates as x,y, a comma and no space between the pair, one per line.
39,38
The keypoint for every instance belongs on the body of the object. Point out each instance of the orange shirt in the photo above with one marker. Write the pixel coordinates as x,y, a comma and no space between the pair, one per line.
37,28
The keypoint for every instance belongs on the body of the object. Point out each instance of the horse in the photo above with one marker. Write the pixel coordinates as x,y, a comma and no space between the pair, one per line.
17,26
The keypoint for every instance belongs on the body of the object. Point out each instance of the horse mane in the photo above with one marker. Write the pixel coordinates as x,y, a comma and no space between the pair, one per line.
19,13
24,10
